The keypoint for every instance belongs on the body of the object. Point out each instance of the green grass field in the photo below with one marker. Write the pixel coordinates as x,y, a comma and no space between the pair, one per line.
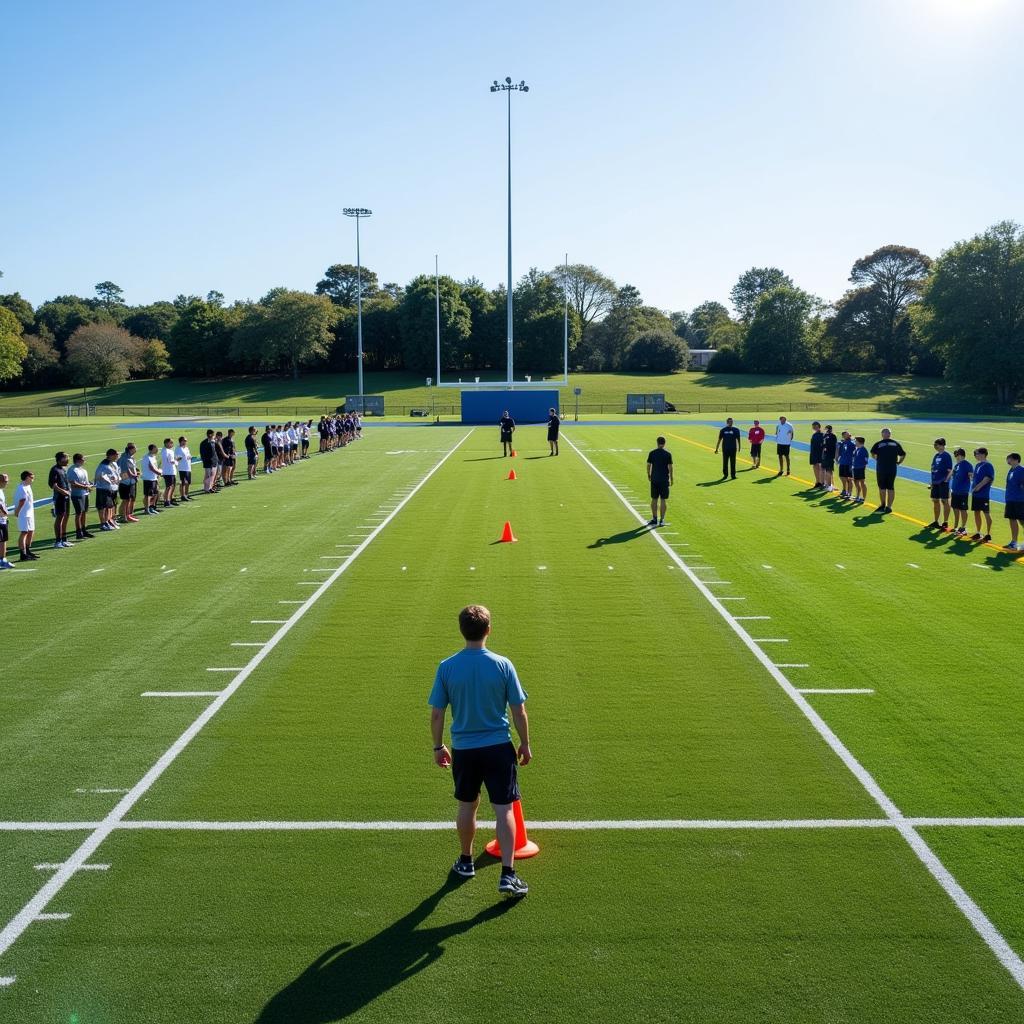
718,843
318,392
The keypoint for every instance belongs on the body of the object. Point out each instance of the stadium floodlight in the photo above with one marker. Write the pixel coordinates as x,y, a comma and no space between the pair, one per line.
358,212
509,88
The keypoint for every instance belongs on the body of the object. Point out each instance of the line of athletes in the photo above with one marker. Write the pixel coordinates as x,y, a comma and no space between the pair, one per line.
954,482
162,470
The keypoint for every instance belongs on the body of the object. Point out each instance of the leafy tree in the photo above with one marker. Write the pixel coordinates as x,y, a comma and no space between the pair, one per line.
200,340
215,298
12,349
591,293
726,334
154,359
752,284
340,284
485,347
153,321
627,297
702,322
382,336
102,354
777,339
110,296
20,308
417,324
680,323
606,345
539,325
972,310
63,315
292,330
890,279
656,351
726,360
42,363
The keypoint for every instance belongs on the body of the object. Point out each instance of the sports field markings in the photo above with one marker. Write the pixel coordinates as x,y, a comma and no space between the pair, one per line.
913,565
770,640
52,917
843,690
750,618
181,693
291,602
792,664
229,668
7,981
981,923
13,930
100,792
267,622
247,643
333,558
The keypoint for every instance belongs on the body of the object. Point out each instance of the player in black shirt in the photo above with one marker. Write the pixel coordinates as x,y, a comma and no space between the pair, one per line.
553,424
829,442
817,444
58,483
508,427
251,453
729,442
659,472
889,454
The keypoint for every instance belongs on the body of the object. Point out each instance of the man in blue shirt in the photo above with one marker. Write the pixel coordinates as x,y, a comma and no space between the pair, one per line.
1014,498
479,686
861,458
844,457
942,470
959,489
984,475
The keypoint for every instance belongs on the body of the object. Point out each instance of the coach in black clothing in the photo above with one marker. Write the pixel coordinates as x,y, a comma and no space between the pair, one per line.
659,473
207,457
729,442
817,445
507,425
889,454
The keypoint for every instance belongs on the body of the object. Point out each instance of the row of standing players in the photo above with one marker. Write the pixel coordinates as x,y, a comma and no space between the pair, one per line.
162,471
955,482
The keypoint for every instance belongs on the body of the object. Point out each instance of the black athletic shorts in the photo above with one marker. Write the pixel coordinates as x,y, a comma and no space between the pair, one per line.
1014,510
940,491
886,479
828,462
782,449
185,476
81,504
493,767
858,472
168,479
506,437
105,498
958,501
149,488
755,449
207,464
229,461
552,435
268,452
251,457
979,504
4,536
126,491
60,505
659,491
815,460
845,471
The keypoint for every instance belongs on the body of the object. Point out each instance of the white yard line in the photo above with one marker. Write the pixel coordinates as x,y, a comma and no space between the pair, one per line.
38,903
182,693
845,690
981,923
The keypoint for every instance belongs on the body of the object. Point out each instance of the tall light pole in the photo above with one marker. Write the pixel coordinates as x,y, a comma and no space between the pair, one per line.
437,317
508,87
357,212
565,283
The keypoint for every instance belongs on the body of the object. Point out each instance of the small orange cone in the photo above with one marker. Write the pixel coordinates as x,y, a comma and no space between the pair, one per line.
511,475
513,453
525,847
507,537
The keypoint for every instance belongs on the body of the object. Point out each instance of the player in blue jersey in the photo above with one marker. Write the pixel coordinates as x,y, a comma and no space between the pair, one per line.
984,475
959,491
942,470
1014,507
859,467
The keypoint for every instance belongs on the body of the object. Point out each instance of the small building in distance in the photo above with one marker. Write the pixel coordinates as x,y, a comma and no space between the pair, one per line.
700,357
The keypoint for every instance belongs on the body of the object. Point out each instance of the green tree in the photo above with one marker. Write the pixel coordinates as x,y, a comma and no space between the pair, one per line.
972,310
215,298
42,363
777,339
200,340
110,296
752,284
702,322
340,284
63,315
102,354
538,309
417,320
12,349
591,293
656,352
293,330
20,308
726,360
154,359
382,336
726,334
153,321
485,347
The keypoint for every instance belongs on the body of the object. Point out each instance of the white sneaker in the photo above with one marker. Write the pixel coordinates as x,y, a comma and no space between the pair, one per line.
1012,546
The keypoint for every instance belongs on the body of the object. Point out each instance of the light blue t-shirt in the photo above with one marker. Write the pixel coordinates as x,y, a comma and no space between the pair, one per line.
479,685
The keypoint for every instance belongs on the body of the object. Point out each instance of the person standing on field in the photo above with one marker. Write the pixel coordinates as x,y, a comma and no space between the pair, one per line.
150,481
24,509
959,489
4,513
844,458
183,460
553,424
479,686
1014,505
984,476
729,442
660,475
783,443
169,471
78,479
817,445
507,426
942,470
755,438
126,487
889,456
829,444
58,482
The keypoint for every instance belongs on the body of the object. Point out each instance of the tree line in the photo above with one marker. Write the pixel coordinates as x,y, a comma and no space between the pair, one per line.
961,314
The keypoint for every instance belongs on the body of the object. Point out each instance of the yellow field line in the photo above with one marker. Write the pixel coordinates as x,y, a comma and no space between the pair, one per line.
810,483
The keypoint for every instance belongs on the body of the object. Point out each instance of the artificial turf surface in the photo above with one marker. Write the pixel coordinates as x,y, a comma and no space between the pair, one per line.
643,705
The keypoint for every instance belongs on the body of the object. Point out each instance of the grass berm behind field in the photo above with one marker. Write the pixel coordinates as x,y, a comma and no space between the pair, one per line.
644,704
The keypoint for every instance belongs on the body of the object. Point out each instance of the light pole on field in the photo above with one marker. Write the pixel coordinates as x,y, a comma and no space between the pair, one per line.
358,212
508,87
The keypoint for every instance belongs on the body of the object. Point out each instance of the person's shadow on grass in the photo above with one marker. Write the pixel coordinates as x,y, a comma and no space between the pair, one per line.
621,538
1002,560
932,539
712,483
345,978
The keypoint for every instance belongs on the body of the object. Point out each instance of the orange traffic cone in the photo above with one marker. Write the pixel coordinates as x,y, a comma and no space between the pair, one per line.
507,536
513,453
525,847
511,475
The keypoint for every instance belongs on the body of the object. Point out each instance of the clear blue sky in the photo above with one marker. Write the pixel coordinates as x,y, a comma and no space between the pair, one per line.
179,147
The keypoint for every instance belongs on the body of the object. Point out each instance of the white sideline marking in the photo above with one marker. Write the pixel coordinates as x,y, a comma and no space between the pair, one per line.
307,583
724,583
991,935
7,982
48,826
334,558
83,867
101,792
328,569
245,643
52,917
838,566
236,668
346,545
769,640
38,903
100,569
740,618
836,691
291,602
266,622
181,693
792,664
732,599
913,565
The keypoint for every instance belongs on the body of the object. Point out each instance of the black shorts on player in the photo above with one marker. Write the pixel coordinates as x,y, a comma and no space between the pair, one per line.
755,449
105,498
1014,510
886,479
493,767
659,491
149,488
783,449
185,476
940,492
126,492
60,505
979,504
828,463
959,502
80,504
168,480
858,472
846,472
